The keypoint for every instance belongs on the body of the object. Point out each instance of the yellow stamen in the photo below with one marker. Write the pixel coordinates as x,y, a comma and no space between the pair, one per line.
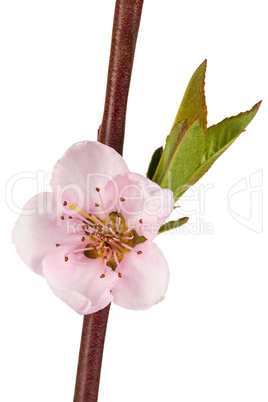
84,213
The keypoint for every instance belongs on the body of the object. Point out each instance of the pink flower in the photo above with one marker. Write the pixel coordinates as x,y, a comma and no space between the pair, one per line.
91,237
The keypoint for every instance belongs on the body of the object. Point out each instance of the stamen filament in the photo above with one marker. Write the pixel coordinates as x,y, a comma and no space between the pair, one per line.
84,213
129,230
112,231
115,258
80,250
125,245
127,237
116,245
70,244
110,252
118,222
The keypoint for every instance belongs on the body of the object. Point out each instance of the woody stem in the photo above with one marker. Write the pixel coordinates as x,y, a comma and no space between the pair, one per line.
125,31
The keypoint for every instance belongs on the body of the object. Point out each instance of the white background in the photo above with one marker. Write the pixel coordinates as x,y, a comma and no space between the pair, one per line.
207,341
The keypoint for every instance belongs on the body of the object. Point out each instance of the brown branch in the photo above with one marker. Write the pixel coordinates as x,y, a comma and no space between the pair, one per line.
125,31
90,356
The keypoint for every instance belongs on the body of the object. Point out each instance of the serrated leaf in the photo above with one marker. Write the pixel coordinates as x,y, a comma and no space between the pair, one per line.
182,154
172,143
219,138
173,225
227,131
193,106
154,162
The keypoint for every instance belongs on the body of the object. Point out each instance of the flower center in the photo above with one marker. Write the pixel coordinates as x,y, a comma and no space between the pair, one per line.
108,238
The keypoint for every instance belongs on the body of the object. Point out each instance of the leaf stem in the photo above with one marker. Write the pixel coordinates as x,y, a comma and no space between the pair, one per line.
125,31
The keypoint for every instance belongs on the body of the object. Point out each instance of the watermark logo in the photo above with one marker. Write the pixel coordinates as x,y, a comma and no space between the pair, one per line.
245,201
136,196
193,205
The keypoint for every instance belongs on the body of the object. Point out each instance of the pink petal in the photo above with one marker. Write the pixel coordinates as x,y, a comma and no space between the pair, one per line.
77,282
145,205
78,302
144,278
38,230
84,167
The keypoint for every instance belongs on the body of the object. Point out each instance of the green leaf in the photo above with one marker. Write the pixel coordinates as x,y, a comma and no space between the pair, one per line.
193,106
219,138
173,225
172,142
182,154
225,132
154,162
